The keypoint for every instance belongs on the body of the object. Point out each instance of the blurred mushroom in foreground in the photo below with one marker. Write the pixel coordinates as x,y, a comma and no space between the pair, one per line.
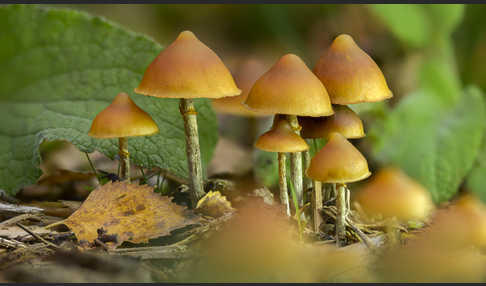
396,197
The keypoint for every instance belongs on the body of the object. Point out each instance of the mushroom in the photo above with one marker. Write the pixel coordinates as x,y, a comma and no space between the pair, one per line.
396,197
339,162
188,69
246,73
290,88
343,121
349,74
463,224
122,119
281,138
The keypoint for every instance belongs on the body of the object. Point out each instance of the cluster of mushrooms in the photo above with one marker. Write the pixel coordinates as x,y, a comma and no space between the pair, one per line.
306,105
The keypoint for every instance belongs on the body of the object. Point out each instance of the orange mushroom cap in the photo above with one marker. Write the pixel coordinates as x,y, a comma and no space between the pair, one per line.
338,162
281,138
392,193
462,224
122,118
187,69
344,121
350,75
247,73
290,87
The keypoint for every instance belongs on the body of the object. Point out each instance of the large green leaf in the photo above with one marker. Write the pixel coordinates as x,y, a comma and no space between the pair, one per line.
434,141
407,22
419,25
476,180
59,68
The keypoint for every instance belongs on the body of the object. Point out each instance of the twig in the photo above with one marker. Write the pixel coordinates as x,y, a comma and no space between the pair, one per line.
16,219
101,243
37,236
11,243
92,166
11,208
156,252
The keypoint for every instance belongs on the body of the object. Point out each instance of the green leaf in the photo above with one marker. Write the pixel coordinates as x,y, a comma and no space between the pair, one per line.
444,18
434,142
59,69
266,167
407,22
476,180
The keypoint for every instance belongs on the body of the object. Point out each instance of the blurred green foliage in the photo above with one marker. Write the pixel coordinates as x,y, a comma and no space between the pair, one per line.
435,133
428,53
59,73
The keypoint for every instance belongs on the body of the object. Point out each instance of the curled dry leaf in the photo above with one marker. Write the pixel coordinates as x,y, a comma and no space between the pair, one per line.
214,204
128,212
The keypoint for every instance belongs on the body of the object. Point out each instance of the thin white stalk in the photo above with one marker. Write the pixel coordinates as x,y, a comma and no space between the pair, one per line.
188,112
282,180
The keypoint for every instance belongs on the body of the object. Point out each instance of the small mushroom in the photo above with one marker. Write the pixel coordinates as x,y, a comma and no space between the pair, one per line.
396,197
122,119
290,88
281,138
344,121
349,74
339,162
188,69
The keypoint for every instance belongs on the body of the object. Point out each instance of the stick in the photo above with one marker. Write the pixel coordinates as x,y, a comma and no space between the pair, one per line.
37,236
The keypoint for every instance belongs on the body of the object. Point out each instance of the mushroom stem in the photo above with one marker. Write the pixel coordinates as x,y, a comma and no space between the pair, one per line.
307,159
316,205
188,112
296,163
341,215
124,158
282,180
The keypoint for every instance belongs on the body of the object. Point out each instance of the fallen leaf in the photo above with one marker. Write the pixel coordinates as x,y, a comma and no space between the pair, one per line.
214,204
130,212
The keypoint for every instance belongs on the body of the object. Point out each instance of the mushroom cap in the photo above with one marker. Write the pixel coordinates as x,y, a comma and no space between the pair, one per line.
463,223
474,214
187,69
338,162
290,87
349,74
122,118
392,193
281,138
246,75
343,121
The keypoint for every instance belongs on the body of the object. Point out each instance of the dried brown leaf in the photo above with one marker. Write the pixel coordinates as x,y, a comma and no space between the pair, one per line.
128,212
